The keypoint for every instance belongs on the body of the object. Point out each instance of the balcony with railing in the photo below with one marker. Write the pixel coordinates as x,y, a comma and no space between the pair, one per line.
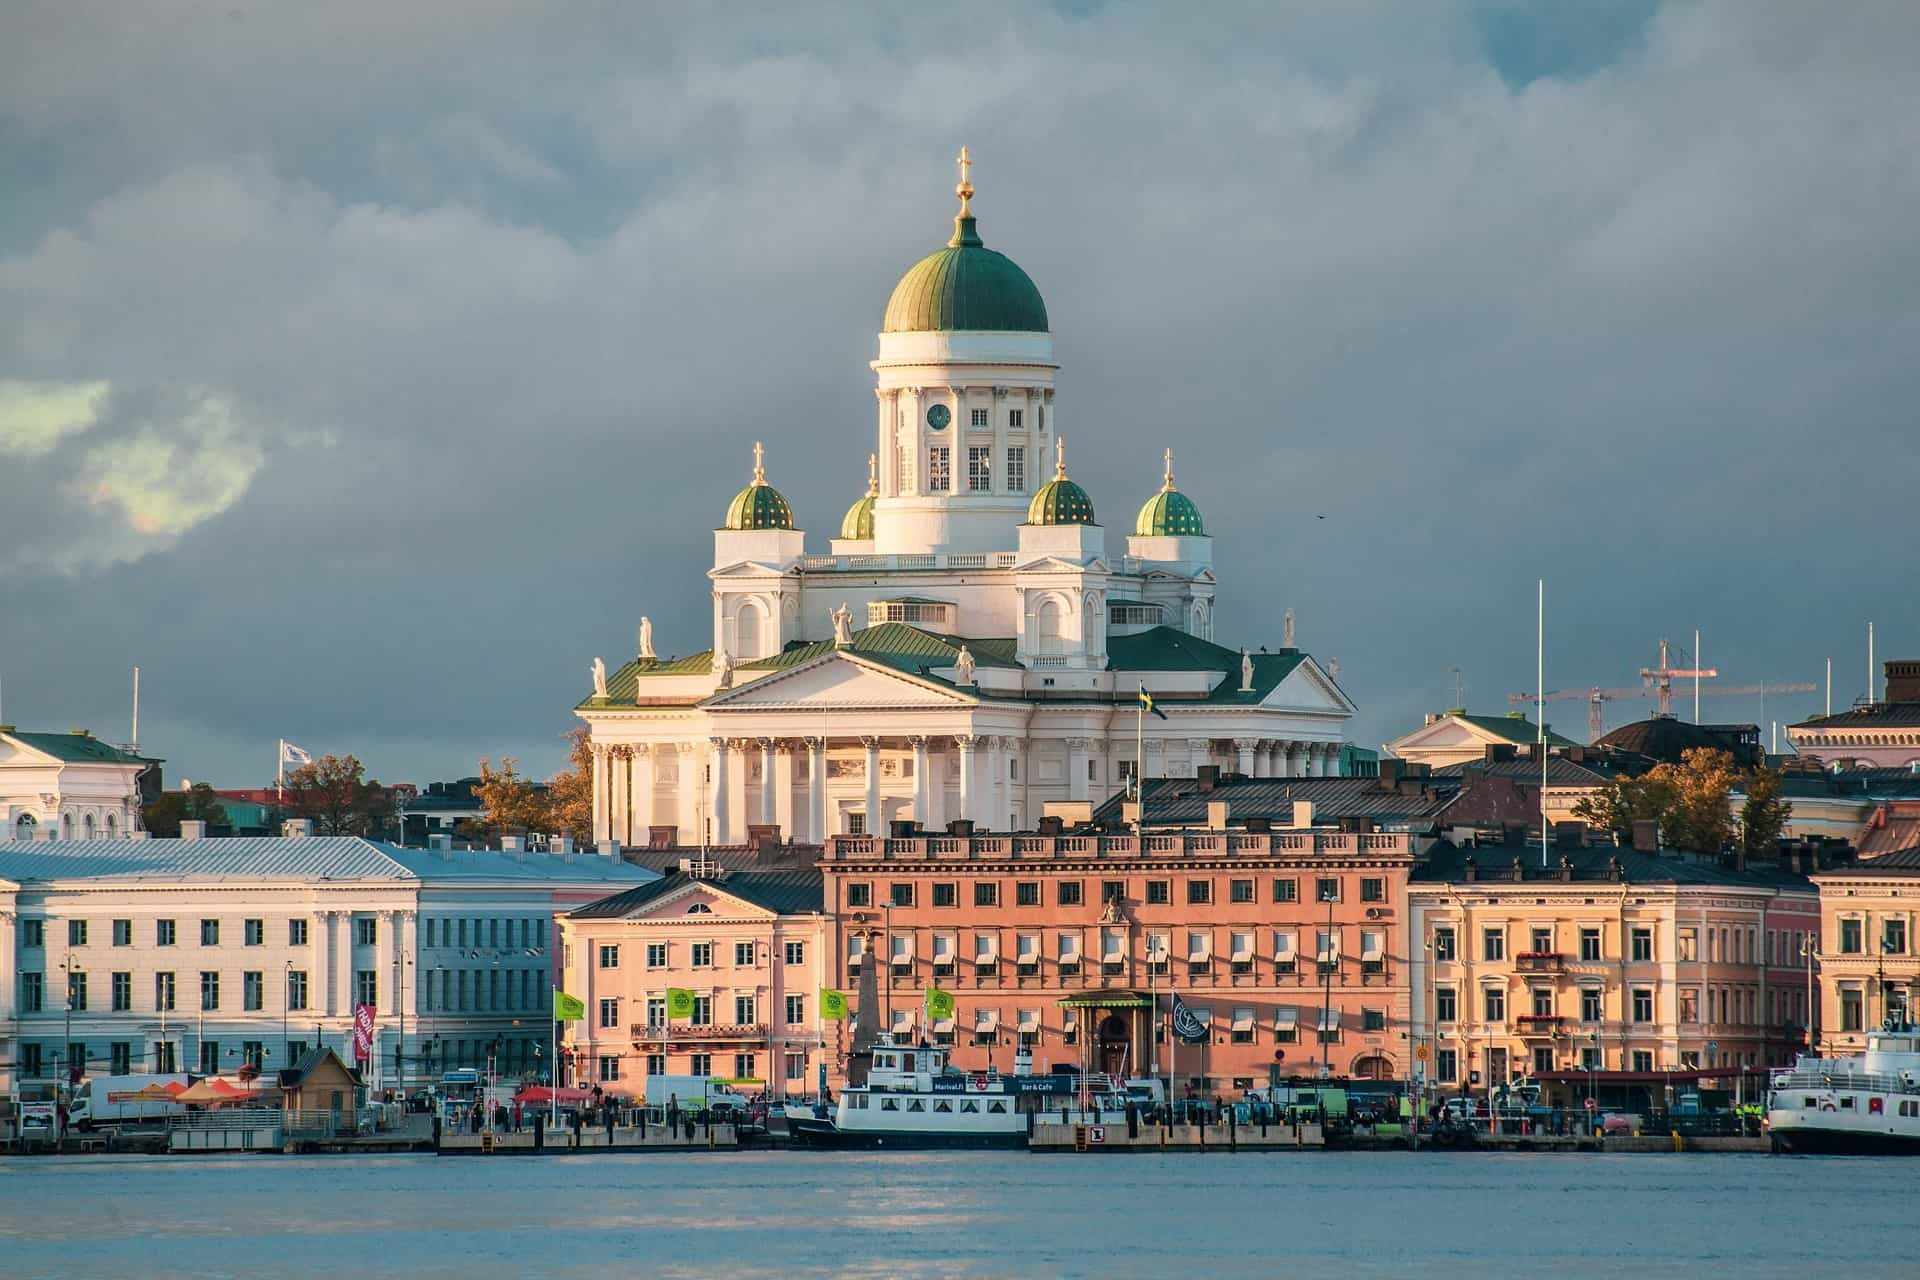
653,1033
1156,846
1540,1024
1540,962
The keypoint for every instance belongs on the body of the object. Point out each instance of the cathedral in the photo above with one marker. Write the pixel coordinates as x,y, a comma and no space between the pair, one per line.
967,648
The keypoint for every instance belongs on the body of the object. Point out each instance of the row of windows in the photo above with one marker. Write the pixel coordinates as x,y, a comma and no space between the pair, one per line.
488,990
1072,893
745,1066
253,987
166,933
1116,951
1893,936
1725,945
494,933
700,955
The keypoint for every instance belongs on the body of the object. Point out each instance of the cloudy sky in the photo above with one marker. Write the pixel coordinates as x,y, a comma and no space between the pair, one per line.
366,369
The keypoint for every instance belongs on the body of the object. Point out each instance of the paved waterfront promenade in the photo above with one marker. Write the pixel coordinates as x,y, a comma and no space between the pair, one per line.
1055,1136
602,1141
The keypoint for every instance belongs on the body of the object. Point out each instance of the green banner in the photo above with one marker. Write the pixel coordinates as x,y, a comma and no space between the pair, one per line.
939,1003
833,1005
568,1008
679,1002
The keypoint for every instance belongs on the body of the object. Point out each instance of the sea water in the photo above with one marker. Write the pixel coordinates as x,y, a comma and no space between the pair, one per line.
1172,1217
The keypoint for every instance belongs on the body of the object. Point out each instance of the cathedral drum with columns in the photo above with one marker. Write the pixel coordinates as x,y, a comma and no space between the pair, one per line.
966,648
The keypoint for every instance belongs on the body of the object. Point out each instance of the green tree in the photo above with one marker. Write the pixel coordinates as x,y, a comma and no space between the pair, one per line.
196,804
333,792
1691,801
1764,816
509,802
1624,801
570,792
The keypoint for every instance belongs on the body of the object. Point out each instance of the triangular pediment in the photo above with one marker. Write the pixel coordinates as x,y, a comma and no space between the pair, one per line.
840,680
19,753
697,902
748,569
1446,733
1308,688
1059,564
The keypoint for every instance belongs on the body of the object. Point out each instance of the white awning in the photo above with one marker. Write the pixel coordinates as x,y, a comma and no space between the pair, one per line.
1199,945
1286,1018
1158,945
943,948
1326,946
902,1020
986,947
1205,1015
1373,945
1069,946
1242,948
1029,948
1243,1019
1030,1020
1113,946
1329,1019
986,1019
1069,1019
856,946
943,1024
902,947
1283,945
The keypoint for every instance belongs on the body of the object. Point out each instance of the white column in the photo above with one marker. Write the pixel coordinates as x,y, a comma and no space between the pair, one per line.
408,923
640,787
817,790
1199,752
601,820
722,800
769,785
688,792
966,744
1243,750
1076,768
1289,759
783,790
922,785
343,965
999,422
994,801
9,979
876,819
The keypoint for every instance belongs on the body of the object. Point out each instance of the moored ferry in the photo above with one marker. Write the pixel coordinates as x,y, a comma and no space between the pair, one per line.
1863,1105
914,1099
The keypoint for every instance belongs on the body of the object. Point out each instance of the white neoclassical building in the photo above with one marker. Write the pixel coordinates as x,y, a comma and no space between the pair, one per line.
967,647
67,786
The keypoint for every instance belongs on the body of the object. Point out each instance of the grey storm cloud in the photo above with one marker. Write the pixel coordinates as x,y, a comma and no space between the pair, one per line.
365,369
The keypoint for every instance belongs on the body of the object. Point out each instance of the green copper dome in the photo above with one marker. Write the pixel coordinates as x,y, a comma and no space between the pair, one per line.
1060,500
858,524
759,505
965,285
1169,513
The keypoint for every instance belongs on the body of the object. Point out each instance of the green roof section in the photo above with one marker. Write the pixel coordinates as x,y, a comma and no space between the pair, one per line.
965,286
759,505
75,747
1165,649
1060,500
1514,727
857,525
1169,513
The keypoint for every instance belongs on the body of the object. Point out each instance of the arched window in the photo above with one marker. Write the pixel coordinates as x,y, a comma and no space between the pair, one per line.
66,826
23,827
746,633
1049,626
113,827
699,909
86,826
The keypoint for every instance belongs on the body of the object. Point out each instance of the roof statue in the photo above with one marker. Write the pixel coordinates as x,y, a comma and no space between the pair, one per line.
843,627
599,678
1286,629
1246,671
963,665
646,639
726,669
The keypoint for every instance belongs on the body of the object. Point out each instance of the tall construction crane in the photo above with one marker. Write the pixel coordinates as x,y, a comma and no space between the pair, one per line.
1597,698
1660,678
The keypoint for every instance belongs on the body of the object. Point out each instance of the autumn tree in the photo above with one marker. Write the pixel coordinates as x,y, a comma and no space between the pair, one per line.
508,801
335,795
1692,802
570,792
1622,802
196,804
1764,816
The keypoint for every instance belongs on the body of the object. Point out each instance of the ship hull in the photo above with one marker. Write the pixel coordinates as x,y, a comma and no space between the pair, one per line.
827,1135
1810,1140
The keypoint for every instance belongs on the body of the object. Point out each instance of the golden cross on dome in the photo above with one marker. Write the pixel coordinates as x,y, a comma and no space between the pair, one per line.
1169,484
965,189
873,473
1059,457
759,463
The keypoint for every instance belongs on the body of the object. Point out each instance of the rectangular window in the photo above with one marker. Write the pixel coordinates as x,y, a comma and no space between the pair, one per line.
743,1066
1446,1005
1851,1009
610,1011
1493,944
609,1067
701,1064
1446,1066
1159,892
1543,1002
986,893
1496,1004
1643,1060
1286,890
30,1065
77,992
1026,893
979,469
1444,947
253,932
859,893
744,1011
1590,1004
1016,419
123,933
297,990
120,1058
978,418
1240,890
939,473
945,894
1893,937
209,1057
1017,467
1113,891
1069,892
1643,945
795,952
796,1066
209,933
1373,1020
702,955
743,954
796,1010
33,933
76,933
296,933
163,933
1851,934
122,992
209,990
1689,946
1590,945
253,990
900,893
1643,1004
366,988
702,1011
610,956
656,1064
1540,940
1373,889
1327,889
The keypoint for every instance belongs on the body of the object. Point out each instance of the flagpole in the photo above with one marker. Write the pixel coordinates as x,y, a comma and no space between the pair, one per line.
280,774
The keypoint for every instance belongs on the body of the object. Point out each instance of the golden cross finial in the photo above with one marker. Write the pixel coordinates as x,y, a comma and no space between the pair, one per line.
965,189
1059,457
759,463
1169,484
873,473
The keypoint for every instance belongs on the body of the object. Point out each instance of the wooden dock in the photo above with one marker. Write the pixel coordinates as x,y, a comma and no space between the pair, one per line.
595,1141
1052,1136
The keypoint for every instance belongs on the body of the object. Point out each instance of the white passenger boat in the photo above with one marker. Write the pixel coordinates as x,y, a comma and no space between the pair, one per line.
1865,1105
914,1099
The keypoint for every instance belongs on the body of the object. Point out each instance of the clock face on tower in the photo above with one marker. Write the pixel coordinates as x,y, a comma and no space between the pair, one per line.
938,416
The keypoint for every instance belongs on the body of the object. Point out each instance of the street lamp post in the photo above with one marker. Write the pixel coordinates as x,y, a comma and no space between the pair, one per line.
1329,894
1810,951
286,1008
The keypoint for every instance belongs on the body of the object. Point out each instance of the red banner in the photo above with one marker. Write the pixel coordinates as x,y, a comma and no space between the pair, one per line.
362,1032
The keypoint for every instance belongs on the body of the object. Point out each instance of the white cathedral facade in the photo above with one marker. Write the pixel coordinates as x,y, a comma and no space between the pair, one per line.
966,648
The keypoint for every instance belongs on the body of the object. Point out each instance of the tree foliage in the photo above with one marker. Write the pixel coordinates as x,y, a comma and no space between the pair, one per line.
570,792
335,794
196,804
1764,816
512,802
1692,802
508,801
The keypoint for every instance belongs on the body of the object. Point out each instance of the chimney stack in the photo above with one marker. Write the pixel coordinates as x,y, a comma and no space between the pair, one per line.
192,829
1217,812
297,828
610,849
1302,814
1903,681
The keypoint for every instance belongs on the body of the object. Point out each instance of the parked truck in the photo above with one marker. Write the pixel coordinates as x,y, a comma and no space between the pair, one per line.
697,1093
105,1102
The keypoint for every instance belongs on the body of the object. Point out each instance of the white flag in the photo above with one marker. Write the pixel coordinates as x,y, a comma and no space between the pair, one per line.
290,754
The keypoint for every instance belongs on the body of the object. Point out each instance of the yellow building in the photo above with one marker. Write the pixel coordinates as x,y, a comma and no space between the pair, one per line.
1869,970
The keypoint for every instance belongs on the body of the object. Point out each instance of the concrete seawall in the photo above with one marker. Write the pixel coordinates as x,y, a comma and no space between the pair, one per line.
720,1137
1056,1137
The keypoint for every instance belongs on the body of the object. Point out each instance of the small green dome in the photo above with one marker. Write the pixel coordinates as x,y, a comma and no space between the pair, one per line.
1169,513
759,505
858,524
1060,500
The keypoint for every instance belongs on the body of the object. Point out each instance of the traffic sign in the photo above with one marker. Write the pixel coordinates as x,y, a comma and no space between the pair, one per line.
1593,1104
1421,1053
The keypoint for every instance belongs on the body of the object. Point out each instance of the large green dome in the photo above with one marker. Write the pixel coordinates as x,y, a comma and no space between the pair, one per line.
759,505
1060,500
965,286
1169,513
